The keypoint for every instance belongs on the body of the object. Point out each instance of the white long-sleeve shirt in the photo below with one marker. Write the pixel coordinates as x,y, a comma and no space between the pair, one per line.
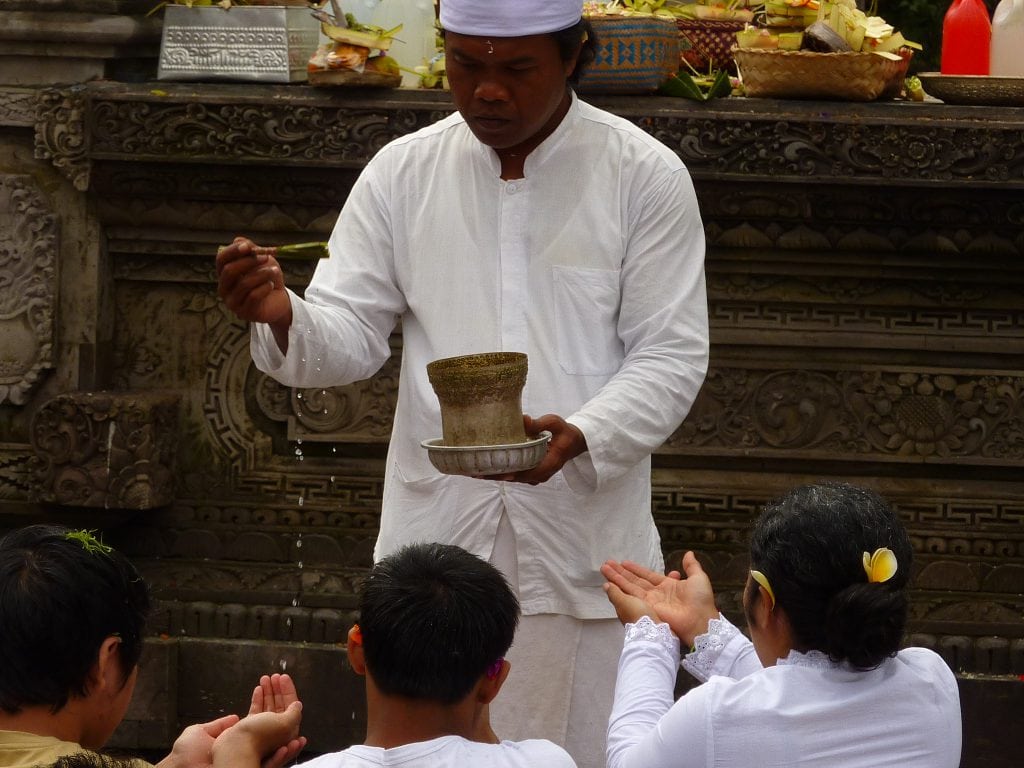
805,711
592,264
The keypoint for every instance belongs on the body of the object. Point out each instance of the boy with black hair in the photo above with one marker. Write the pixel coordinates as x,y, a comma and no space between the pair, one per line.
434,625
72,615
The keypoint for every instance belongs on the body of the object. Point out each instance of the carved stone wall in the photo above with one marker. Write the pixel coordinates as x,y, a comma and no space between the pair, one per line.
28,286
864,271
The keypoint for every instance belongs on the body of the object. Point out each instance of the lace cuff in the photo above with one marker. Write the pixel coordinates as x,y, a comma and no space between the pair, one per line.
646,629
708,647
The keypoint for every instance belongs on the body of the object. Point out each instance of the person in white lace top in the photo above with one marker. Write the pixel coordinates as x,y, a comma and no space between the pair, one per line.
821,682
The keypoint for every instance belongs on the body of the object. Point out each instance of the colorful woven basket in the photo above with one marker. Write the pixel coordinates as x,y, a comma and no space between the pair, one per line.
707,43
848,76
635,54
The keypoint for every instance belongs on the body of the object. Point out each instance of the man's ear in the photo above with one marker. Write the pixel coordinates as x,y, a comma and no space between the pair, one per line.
488,687
357,658
107,673
354,646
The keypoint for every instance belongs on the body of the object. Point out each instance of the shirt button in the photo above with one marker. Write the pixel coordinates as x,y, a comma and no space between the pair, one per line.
511,188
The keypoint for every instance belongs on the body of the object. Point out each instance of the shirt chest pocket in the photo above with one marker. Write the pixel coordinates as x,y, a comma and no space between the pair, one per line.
586,320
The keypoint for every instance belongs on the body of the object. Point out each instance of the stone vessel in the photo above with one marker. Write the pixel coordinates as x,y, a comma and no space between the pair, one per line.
480,397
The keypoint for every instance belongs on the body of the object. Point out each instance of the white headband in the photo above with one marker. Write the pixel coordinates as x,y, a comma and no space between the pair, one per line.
509,18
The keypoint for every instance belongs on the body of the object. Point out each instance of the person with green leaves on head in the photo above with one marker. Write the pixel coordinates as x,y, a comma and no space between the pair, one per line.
72,620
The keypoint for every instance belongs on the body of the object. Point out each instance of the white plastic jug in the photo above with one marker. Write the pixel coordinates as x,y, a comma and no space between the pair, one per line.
414,44
1008,39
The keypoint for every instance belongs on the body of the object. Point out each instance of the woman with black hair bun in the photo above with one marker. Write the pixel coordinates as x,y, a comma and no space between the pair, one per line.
822,680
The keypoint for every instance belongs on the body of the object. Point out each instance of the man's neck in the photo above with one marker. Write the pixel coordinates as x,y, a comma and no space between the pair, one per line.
394,721
513,159
42,722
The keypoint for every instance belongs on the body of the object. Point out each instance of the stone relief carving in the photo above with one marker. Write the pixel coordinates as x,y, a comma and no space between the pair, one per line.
359,412
918,149
106,450
17,106
862,414
15,473
28,286
60,134
803,147
294,131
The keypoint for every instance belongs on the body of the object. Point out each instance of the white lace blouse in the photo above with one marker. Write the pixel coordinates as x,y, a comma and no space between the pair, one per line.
805,711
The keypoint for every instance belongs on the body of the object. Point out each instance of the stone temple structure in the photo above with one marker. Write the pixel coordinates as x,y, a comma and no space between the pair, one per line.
865,273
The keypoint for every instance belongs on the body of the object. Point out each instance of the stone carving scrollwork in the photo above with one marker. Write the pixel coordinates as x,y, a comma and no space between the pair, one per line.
806,148
869,414
17,106
60,134
109,450
28,286
312,134
359,412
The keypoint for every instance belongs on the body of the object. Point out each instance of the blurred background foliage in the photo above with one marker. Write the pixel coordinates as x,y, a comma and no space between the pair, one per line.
921,21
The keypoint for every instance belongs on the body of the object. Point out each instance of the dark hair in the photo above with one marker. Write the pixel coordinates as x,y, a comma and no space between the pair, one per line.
570,38
60,598
810,546
433,618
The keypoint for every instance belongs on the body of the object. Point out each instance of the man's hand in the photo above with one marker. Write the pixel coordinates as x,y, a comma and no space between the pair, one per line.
685,604
567,442
267,739
251,284
273,694
194,747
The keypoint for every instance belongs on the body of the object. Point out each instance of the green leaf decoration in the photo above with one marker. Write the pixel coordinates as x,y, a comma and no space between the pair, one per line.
89,541
684,85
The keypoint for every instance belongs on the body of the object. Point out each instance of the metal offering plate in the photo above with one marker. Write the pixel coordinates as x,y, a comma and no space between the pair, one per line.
981,90
475,460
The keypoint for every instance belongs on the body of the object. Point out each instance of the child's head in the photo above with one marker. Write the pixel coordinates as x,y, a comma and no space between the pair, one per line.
810,547
63,594
434,619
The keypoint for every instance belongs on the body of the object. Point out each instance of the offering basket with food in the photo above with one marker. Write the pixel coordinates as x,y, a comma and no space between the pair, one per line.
355,55
842,54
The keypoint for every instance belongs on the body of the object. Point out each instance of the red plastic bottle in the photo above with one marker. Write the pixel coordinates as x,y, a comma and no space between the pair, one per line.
966,38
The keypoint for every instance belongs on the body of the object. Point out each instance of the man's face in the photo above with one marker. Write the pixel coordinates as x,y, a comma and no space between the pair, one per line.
509,89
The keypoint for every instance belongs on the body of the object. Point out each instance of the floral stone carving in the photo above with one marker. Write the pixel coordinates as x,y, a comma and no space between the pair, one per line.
110,450
28,287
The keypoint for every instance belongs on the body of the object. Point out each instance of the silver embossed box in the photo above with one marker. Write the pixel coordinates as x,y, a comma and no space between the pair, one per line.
267,43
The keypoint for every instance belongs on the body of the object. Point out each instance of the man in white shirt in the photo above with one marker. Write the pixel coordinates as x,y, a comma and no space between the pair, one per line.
528,221
434,625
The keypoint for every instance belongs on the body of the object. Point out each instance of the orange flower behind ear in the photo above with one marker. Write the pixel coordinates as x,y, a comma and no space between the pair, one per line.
880,566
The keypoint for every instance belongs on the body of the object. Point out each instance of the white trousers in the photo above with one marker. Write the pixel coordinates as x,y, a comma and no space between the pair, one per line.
562,678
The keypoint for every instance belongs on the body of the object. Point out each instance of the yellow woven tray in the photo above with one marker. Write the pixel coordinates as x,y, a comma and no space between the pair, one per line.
845,76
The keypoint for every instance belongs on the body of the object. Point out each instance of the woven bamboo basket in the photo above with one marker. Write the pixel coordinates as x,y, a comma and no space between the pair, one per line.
635,54
708,43
848,76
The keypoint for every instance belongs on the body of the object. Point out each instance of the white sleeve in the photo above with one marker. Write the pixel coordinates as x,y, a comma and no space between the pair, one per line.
722,650
663,325
339,332
646,729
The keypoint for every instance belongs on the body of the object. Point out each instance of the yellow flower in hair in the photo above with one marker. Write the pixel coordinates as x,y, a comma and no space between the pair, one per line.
880,566
761,579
